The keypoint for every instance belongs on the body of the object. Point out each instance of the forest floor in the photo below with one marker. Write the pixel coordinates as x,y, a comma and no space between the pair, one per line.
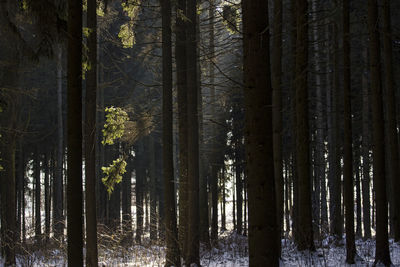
231,251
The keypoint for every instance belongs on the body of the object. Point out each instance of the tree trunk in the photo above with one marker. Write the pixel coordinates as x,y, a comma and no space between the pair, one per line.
74,171
47,195
277,109
305,237
152,187
193,256
172,253
391,118
38,219
263,229
58,222
140,177
382,255
348,153
90,138
181,80
334,151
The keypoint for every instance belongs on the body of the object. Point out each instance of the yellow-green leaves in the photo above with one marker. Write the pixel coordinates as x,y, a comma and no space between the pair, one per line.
113,174
126,30
114,126
127,35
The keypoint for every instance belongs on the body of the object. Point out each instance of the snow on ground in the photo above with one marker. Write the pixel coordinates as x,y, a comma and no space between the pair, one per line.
231,251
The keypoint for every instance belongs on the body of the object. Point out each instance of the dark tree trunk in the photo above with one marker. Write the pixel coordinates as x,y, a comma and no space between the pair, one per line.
277,108
382,254
181,80
263,229
140,177
152,189
365,153
193,256
305,231
172,253
74,118
47,194
58,221
336,227
391,119
38,219
90,138
348,153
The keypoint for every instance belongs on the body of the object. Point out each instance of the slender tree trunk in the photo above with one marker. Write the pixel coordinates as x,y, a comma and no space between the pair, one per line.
334,163
223,212
305,236
38,219
181,71
382,255
58,223
365,151
172,254
277,109
319,162
293,38
214,171
127,202
358,191
90,138
74,172
8,211
47,195
348,153
193,256
391,117
263,229
153,200
140,176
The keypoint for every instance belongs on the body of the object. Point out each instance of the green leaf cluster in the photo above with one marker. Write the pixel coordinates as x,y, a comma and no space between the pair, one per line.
114,126
113,174
126,30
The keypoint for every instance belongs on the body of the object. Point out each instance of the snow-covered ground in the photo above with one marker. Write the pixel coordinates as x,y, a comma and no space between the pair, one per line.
232,251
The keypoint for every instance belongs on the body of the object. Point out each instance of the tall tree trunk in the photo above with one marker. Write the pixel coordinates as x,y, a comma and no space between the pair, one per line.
305,237
58,222
277,109
238,166
38,214
74,118
263,230
126,202
90,138
214,171
193,256
391,118
223,212
319,162
334,150
293,115
358,191
8,190
366,195
172,253
348,153
47,195
140,177
382,254
152,187
181,80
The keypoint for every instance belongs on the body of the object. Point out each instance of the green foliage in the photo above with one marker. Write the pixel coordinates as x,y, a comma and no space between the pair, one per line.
126,30
113,174
114,126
